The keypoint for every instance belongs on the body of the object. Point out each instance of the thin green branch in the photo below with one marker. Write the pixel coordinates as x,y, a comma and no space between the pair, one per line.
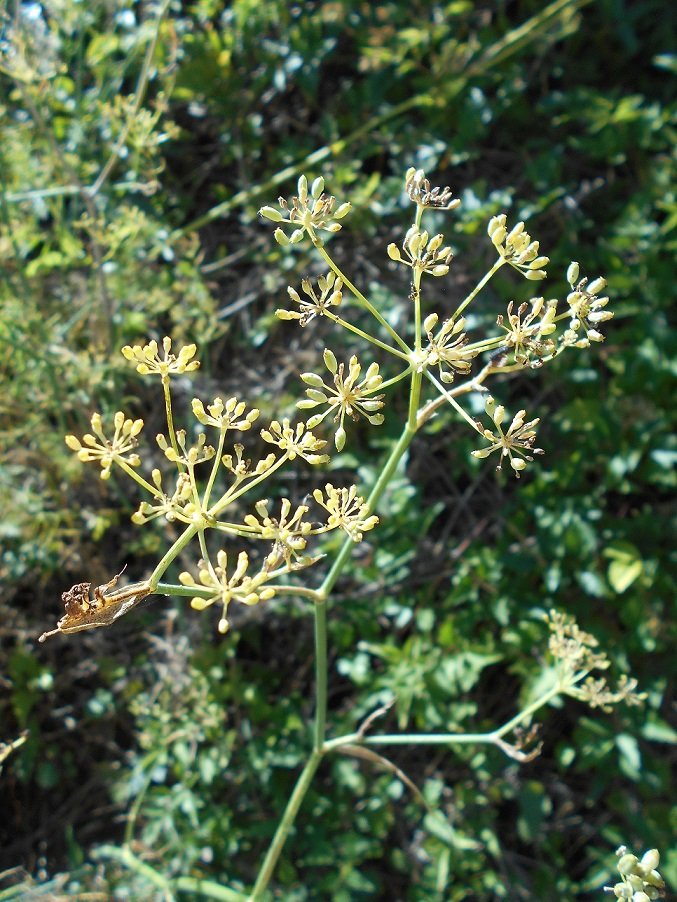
452,400
231,495
170,421
137,477
365,335
215,468
320,612
354,290
480,285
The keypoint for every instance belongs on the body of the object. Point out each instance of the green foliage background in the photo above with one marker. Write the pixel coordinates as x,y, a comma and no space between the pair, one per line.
196,739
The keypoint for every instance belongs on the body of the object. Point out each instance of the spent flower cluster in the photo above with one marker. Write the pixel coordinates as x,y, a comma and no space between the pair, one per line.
313,304
448,348
575,654
527,329
419,191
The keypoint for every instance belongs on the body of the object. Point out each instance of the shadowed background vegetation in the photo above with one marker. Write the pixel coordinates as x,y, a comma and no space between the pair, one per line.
137,142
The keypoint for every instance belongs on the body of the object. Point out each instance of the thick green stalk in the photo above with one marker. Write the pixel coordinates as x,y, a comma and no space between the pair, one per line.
285,825
176,548
323,593
320,611
381,484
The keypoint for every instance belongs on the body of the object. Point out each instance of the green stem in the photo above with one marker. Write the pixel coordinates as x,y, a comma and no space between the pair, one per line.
170,421
178,546
187,591
480,285
285,825
319,247
454,403
488,344
203,548
130,471
395,379
215,469
381,483
298,592
365,335
320,611
459,738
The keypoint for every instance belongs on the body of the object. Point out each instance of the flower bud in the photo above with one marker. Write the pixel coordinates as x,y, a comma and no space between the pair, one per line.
516,230
572,273
496,222
597,285
312,379
600,316
340,438
413,243
199,604
429,323
330,361
498,236
269,213
317,187
627,864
